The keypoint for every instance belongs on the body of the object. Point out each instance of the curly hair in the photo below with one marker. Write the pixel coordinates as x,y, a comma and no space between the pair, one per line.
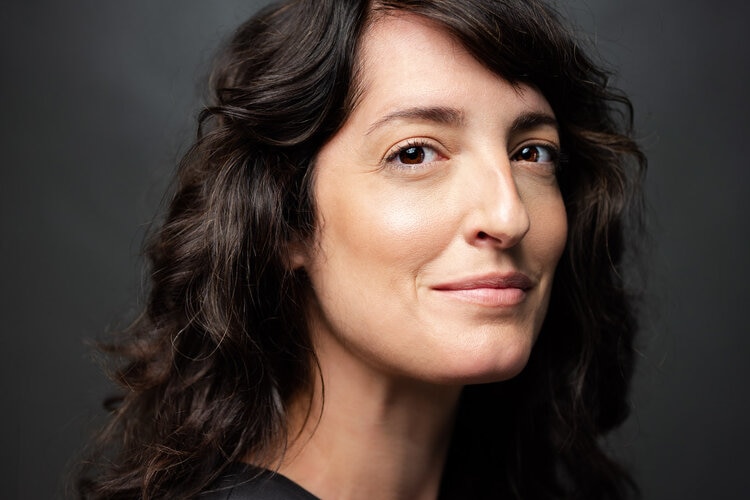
209,367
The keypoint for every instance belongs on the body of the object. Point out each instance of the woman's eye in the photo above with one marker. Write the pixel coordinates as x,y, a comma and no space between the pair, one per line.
536,154
413,154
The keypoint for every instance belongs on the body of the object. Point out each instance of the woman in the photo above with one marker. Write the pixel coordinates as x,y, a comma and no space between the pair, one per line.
389,204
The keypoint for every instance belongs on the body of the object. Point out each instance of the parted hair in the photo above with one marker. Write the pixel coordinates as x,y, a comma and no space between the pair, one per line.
209,367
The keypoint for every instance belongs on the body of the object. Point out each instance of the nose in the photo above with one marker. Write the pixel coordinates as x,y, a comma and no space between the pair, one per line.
497,216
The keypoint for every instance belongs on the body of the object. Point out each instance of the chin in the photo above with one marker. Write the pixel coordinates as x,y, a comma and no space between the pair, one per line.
490,366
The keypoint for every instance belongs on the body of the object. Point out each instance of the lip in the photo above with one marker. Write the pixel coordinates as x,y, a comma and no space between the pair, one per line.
492,290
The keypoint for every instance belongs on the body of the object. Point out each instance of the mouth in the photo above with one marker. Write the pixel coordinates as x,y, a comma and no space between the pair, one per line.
491,290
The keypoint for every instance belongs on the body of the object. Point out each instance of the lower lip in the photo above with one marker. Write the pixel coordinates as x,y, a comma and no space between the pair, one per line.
490,297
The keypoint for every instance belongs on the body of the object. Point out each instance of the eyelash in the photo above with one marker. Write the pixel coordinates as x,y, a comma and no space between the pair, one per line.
392,156
556,157
552,150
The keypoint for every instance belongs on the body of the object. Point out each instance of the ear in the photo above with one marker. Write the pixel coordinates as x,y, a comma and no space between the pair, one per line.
298,256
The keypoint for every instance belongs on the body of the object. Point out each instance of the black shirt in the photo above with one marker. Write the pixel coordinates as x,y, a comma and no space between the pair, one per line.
244,482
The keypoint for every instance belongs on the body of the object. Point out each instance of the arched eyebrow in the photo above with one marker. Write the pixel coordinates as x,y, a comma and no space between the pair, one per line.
455,117
436,114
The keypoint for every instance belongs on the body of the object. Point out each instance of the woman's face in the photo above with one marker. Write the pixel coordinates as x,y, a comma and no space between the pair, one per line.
440,221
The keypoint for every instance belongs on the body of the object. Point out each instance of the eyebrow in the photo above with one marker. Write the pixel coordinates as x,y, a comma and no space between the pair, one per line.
436,114
455,117
532,120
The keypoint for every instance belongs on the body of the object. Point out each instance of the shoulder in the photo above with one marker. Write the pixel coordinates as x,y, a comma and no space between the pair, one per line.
243,482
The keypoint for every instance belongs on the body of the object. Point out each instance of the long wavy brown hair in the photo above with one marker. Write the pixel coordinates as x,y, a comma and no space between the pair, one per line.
222,347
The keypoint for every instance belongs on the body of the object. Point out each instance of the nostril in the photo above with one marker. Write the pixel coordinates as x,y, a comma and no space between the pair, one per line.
482,235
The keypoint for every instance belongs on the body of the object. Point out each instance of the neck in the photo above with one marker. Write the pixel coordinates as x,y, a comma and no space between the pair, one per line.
370,435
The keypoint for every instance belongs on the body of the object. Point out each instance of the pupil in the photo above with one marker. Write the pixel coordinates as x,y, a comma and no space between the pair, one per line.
529,154
412,155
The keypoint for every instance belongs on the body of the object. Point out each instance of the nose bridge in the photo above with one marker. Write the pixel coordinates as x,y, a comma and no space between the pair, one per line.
499,211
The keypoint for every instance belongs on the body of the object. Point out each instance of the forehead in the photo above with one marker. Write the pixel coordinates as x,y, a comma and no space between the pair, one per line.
406,59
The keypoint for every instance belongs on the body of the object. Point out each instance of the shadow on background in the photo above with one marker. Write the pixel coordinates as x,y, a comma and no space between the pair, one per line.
99,99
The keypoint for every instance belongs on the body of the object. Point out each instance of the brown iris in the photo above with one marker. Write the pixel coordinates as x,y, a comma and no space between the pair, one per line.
412,156
529,153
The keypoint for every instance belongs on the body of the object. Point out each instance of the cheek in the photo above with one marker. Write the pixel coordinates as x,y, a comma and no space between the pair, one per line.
549,229
397,228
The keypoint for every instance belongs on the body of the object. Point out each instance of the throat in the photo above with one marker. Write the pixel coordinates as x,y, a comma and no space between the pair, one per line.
371,440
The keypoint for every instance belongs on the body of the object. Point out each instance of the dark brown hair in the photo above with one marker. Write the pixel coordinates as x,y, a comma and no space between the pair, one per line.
222,346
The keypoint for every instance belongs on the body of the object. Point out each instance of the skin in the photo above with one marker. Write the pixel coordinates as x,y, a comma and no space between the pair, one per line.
426,185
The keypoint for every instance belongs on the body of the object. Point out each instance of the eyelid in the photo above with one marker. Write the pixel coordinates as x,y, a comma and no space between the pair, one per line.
553,148
423,142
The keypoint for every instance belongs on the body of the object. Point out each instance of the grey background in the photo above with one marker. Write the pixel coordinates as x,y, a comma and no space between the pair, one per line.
99,99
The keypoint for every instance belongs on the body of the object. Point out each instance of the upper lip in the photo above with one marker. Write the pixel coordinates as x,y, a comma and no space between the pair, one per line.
492,280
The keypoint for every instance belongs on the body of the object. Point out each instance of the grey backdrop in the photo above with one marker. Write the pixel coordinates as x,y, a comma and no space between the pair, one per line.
99,99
